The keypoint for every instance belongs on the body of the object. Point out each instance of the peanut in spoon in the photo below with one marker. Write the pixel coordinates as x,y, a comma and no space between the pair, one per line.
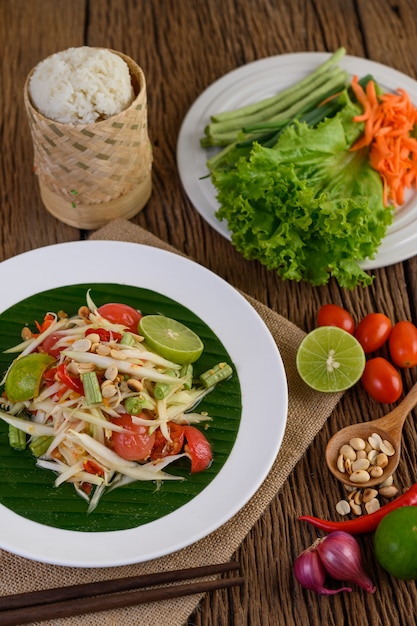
389,428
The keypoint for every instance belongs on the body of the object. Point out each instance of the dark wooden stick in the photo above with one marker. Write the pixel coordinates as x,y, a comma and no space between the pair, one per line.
76,600
67,608
84,590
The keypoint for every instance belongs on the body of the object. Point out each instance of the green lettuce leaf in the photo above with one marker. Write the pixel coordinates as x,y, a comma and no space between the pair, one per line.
308,207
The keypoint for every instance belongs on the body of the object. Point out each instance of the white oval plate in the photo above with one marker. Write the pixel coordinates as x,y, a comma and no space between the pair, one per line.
261,375
262,79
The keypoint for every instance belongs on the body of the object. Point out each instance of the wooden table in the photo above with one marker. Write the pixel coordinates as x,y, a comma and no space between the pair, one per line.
183,46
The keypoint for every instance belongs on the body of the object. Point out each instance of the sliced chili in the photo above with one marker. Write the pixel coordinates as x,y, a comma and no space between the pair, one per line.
104,334
49,375
367,523
70,381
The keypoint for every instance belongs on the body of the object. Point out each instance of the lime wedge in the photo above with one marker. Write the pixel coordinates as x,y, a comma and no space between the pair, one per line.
25,375
330,359
171,339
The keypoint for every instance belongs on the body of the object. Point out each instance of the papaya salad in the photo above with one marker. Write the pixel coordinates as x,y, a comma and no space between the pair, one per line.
102,404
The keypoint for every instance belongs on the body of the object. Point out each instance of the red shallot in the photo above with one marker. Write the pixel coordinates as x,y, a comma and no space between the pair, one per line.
341,556
337,555
310,573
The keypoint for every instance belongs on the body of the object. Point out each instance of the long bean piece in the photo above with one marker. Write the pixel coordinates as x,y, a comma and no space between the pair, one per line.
323,82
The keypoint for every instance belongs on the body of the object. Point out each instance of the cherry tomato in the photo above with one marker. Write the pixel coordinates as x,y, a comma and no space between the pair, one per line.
135,445
373,331
199,449
92,467
48,344
121,314
403,344
382,381
162,447
334,315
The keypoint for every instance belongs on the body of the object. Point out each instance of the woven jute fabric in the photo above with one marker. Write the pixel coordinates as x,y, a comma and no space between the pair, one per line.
307,412
92,165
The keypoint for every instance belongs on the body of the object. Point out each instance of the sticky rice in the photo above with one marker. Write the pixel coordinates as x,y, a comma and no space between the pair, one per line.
81,85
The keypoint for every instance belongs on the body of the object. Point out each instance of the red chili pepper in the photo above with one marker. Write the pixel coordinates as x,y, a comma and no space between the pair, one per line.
367,523
104,334
49,375
70,381
49,378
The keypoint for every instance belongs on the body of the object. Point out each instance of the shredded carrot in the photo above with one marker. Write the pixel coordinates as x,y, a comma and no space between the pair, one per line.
389,120
48,319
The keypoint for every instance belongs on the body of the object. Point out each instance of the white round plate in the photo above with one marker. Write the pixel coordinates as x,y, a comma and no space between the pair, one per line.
262,79
263,388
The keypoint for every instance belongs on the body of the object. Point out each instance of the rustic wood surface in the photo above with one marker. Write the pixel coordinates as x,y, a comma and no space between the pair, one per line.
183,46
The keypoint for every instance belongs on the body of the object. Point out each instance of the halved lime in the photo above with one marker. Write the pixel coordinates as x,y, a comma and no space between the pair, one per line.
330,359
171,339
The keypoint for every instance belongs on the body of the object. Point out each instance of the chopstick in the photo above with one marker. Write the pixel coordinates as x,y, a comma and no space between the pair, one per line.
32,606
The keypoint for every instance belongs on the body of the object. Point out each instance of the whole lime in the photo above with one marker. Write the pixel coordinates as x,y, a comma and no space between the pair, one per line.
395,543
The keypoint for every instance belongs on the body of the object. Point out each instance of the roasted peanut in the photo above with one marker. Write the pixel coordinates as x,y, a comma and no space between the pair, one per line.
343,507
360,464
348,452
388,492
387,447
369,494
357,443
372,506
135,385
341,463
84,312
117,354
382,460
356,509
376,471
360,477
26,333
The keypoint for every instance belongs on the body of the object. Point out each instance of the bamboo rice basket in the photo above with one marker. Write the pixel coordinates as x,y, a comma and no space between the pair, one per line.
90,174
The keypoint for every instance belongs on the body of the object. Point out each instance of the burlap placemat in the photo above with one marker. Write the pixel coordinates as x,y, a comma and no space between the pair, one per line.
307,412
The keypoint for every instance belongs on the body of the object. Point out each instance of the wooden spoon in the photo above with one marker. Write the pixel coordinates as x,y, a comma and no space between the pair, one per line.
388,427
